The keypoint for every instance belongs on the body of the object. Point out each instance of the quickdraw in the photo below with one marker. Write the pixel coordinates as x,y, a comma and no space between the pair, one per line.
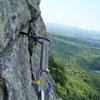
38,82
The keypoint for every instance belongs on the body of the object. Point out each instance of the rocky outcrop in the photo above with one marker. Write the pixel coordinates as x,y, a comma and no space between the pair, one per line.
17,67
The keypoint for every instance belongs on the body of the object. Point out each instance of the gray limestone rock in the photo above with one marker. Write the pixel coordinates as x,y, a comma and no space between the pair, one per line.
16,70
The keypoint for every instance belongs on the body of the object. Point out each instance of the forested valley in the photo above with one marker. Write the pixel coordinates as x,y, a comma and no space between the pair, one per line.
74,63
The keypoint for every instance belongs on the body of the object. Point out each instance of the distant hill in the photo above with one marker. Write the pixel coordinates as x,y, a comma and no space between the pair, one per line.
72,31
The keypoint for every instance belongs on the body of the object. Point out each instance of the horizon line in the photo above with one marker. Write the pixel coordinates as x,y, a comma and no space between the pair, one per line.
88,29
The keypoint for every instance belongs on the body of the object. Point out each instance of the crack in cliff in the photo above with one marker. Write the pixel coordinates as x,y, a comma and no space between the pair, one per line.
30,49
4,89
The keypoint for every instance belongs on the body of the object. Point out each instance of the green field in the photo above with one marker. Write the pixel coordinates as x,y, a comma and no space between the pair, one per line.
72,63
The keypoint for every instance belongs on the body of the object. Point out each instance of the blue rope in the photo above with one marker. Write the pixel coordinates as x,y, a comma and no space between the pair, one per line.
38,74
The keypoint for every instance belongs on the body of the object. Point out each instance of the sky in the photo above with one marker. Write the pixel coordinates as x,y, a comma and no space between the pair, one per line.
78,13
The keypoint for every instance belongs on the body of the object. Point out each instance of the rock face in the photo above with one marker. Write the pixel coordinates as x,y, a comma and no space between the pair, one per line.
17,67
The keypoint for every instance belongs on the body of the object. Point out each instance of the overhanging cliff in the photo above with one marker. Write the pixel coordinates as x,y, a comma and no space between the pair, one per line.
18,67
